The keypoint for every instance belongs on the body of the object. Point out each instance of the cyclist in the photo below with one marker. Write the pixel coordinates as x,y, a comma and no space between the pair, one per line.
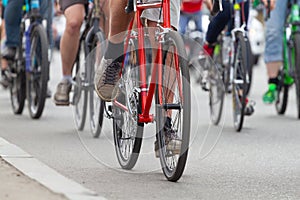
191,10
111,63
219,22
74,12
273,49
13,15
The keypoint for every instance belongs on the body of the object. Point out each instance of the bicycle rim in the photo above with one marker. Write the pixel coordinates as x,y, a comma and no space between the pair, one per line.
173,100
96,105
128,132
17,84
216,89
239,85
37,76
79,88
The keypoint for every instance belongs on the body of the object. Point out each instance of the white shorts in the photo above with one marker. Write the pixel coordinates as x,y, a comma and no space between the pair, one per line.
153,14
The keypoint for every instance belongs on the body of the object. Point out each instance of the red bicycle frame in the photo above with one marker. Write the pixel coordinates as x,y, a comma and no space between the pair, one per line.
147,95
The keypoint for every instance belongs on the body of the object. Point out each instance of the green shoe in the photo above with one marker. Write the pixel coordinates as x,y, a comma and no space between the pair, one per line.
270,96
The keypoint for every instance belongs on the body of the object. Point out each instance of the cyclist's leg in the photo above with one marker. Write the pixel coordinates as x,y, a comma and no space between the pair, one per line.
183,22
46,10
108,73
74,14
215,27
273,49
12,17
198,20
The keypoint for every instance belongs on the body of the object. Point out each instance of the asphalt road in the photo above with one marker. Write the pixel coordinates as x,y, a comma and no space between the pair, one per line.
261,162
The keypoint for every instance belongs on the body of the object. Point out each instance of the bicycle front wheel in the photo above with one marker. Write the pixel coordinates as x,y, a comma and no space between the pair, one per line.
38,75
296,43
96,104
173,108
128,132
240,85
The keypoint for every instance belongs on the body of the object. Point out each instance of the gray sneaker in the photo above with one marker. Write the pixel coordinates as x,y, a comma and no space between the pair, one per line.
172,141
106,78
61,96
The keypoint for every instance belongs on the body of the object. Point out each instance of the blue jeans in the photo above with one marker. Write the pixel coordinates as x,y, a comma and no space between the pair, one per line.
13,15
218,23
186,17
274,32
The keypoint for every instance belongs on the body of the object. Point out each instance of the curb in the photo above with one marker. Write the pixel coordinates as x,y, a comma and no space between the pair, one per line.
43,174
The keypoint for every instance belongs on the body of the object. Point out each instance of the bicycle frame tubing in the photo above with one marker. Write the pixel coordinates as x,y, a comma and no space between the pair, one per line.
147,95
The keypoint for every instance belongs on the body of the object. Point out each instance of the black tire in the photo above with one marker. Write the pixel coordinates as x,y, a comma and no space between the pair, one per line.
80,88
296,43
128,132
174,86
282,94
216,79
250,66
239,85
38,75
96,105
17,81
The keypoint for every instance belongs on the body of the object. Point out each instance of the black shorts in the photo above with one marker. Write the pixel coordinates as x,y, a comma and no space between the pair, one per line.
64,4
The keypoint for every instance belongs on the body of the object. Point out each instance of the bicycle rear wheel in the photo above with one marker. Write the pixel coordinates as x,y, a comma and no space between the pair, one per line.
96,105
240,85
128,132
17,81
296,67
80,90
38,75
173,101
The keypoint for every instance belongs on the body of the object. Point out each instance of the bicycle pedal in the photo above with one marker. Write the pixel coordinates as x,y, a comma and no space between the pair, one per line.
249,110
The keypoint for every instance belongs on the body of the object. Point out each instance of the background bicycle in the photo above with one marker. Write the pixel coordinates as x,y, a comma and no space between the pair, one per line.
92,44
29,71
290,72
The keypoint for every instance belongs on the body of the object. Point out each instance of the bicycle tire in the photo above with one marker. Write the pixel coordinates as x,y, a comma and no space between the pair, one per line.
250,67
239,85
80,91
296,43
173,164
38,75
216,88
17,79
128,142
96,105
282,94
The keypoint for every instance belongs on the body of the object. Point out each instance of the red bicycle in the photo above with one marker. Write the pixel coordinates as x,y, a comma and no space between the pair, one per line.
169,85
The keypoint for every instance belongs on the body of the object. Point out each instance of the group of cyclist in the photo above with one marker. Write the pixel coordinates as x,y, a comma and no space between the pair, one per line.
105,81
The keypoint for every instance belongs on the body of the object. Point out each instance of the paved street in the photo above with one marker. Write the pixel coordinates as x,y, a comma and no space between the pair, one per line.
261,162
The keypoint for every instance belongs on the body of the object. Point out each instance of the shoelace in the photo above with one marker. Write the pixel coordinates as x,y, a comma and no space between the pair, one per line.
110,73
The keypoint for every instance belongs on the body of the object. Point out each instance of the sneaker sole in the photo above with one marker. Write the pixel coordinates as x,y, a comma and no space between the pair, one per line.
61,103
103,98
